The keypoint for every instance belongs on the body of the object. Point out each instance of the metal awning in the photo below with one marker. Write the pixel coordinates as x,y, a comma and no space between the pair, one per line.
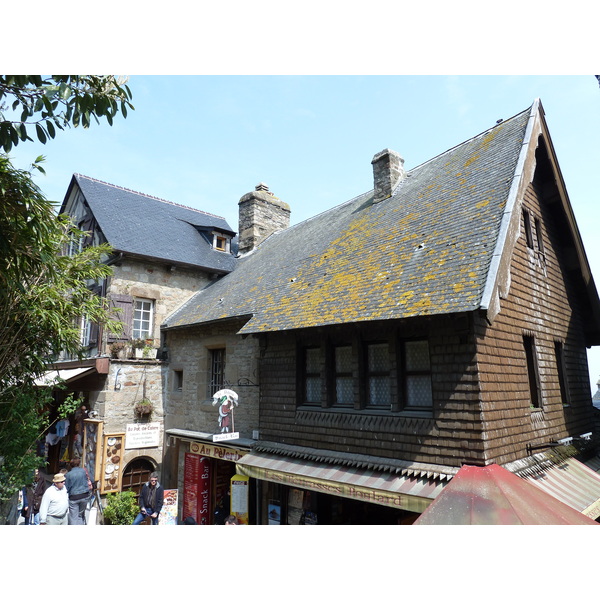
51,378
413,493
492,495
573,483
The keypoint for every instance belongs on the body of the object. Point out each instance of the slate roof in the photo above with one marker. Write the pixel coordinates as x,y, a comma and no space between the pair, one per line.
426,250
135,223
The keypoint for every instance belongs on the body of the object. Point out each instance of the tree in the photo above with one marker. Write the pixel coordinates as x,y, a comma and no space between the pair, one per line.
44,291
55,102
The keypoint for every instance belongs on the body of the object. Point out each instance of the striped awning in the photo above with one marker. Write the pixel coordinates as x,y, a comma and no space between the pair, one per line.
573,483
54,377
413,493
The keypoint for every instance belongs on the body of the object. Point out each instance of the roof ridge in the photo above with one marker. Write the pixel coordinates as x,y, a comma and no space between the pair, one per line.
498,124
119,187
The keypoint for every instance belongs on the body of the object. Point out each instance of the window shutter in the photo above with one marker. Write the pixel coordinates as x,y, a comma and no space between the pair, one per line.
124,303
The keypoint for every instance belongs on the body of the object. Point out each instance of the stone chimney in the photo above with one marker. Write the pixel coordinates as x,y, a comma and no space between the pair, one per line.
260,215
388,172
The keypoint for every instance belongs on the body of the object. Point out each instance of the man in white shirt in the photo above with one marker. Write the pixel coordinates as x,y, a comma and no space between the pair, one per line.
54,509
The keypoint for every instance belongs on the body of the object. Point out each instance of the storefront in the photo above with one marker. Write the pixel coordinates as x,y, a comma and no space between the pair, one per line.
204,472
298,491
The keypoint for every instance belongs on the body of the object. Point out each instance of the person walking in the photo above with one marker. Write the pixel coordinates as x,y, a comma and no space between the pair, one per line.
40,486
54,509
151,500
77,487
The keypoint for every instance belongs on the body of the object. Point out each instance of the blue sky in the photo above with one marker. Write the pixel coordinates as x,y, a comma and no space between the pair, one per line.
204,141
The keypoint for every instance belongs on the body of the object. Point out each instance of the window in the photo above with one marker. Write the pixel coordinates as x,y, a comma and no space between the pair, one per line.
343,375
378,375
312,375
85,330
528,230
366,375
221,242
417,375
559,353
538,235
177,380
143,312
217,370
75,245
532,371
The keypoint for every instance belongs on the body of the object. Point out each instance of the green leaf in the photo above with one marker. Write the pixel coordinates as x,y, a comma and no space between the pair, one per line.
40,133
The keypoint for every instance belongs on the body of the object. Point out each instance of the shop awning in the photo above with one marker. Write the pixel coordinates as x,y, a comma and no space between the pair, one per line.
494,496
573,483
50,378
413,493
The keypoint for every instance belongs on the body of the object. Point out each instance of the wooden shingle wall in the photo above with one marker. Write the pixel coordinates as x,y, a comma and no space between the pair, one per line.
545,301
450,434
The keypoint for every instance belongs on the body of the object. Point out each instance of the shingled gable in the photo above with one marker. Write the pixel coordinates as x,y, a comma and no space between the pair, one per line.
140,225
440,243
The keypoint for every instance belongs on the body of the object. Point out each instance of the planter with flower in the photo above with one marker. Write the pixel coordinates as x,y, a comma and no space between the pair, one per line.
143,408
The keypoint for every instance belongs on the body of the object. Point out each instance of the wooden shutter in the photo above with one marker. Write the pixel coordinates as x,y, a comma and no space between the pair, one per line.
124,303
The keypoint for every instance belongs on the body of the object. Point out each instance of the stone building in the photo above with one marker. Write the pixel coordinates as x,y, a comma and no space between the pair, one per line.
440,319
162,254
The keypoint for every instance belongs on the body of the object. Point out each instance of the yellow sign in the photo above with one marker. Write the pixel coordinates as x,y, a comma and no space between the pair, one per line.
220,452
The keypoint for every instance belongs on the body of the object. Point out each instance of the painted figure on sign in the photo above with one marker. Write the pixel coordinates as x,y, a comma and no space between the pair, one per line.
227,401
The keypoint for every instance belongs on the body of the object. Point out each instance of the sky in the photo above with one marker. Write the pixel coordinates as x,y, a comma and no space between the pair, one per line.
206,140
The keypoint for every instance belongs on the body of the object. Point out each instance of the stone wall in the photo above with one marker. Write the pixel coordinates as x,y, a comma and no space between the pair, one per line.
168,287
189,355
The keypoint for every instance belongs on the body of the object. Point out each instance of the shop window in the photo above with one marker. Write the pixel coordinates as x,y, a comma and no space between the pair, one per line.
143,313
532,371
217,370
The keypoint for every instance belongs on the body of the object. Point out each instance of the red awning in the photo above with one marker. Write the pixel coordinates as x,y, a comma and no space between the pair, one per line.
494,496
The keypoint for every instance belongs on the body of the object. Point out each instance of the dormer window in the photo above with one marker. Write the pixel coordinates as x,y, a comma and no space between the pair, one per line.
221,242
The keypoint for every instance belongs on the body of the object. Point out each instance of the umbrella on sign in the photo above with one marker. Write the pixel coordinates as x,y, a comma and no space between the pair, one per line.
227,401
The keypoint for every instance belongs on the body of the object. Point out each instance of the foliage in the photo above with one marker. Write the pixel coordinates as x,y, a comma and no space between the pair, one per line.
144,407
55,102
44,293
138,344
117,347
121,508
69,406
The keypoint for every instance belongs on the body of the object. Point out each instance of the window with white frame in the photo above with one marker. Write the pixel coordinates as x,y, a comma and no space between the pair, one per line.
85,330
143,317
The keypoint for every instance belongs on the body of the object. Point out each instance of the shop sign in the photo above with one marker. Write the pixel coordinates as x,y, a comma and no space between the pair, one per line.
196,488
239,498
216,451
221,437
142,435
168,514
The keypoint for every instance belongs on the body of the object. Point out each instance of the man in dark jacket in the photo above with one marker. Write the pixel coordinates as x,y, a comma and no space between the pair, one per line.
79,493
151,500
